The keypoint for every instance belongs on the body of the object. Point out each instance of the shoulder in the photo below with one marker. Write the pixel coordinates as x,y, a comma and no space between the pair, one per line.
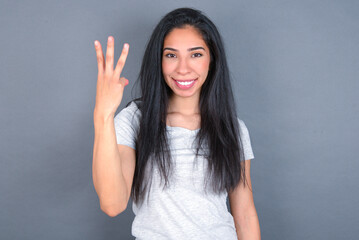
245,139
128,116
242,125
130,110
127,125
243,130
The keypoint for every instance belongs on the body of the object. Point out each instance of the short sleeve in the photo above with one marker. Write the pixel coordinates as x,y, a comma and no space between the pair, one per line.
246,141
126,125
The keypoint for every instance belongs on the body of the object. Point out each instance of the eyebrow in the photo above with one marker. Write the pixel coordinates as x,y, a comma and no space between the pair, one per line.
189,49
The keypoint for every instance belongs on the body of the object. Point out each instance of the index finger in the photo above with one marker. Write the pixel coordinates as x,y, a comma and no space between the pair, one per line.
121,61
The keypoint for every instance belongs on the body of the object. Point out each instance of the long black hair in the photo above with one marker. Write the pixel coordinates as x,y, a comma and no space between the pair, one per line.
219,132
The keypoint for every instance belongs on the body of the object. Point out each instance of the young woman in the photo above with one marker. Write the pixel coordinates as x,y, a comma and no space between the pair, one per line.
179,150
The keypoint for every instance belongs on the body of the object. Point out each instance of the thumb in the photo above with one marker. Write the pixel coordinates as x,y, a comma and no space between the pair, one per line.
124,81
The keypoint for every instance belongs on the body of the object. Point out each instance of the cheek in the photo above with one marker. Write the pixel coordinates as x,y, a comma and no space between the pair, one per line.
203,66
166,68
163,67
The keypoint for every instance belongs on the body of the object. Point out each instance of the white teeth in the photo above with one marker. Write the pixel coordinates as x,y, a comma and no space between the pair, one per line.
185,83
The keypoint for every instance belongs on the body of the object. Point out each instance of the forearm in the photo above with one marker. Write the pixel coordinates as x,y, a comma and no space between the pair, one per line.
107,173
247,227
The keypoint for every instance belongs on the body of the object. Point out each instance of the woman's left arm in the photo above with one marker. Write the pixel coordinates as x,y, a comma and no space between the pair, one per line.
243,209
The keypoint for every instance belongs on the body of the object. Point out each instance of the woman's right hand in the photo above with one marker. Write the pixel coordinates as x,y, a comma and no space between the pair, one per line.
110,85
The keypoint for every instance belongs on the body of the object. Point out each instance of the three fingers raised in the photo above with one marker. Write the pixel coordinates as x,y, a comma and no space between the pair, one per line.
107,65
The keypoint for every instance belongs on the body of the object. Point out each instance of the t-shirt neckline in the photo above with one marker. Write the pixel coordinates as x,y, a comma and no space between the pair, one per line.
182,129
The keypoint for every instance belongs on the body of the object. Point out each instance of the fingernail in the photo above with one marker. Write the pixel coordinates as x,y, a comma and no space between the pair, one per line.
110,39
125,45
96,43
126,82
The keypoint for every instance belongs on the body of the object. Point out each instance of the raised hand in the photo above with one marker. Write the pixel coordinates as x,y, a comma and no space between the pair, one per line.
110,85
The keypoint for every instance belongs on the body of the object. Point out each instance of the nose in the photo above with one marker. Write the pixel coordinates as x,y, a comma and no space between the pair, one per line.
183,66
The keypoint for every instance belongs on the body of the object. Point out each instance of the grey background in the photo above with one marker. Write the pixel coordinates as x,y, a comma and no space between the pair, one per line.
295,73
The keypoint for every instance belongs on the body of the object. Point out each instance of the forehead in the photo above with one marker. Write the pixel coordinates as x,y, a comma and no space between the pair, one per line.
187,36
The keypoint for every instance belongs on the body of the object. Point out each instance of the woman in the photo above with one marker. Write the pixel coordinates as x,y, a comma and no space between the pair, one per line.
179,150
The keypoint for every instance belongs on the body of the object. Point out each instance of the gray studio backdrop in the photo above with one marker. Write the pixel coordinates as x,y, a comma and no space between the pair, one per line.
295,72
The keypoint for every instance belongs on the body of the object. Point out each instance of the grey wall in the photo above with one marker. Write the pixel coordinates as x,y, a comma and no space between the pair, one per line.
295,71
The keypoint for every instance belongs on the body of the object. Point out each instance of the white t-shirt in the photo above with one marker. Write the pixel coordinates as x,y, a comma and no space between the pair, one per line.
183,210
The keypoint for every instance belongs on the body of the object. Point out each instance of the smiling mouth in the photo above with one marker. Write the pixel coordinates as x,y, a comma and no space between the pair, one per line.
185,84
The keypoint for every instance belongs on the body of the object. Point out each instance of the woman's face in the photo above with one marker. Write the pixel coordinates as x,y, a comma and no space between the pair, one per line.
185,61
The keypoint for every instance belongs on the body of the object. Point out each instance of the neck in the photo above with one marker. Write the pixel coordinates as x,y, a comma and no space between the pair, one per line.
185,106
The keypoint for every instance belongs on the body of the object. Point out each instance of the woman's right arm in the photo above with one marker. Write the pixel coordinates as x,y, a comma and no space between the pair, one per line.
113,164
112,183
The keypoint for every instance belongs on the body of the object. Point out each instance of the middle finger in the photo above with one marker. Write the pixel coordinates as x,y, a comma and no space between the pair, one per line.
109,55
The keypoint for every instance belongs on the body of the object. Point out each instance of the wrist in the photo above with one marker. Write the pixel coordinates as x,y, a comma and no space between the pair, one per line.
101,118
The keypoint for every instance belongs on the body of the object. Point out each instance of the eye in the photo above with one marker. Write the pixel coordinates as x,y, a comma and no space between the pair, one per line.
170,55
197,55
